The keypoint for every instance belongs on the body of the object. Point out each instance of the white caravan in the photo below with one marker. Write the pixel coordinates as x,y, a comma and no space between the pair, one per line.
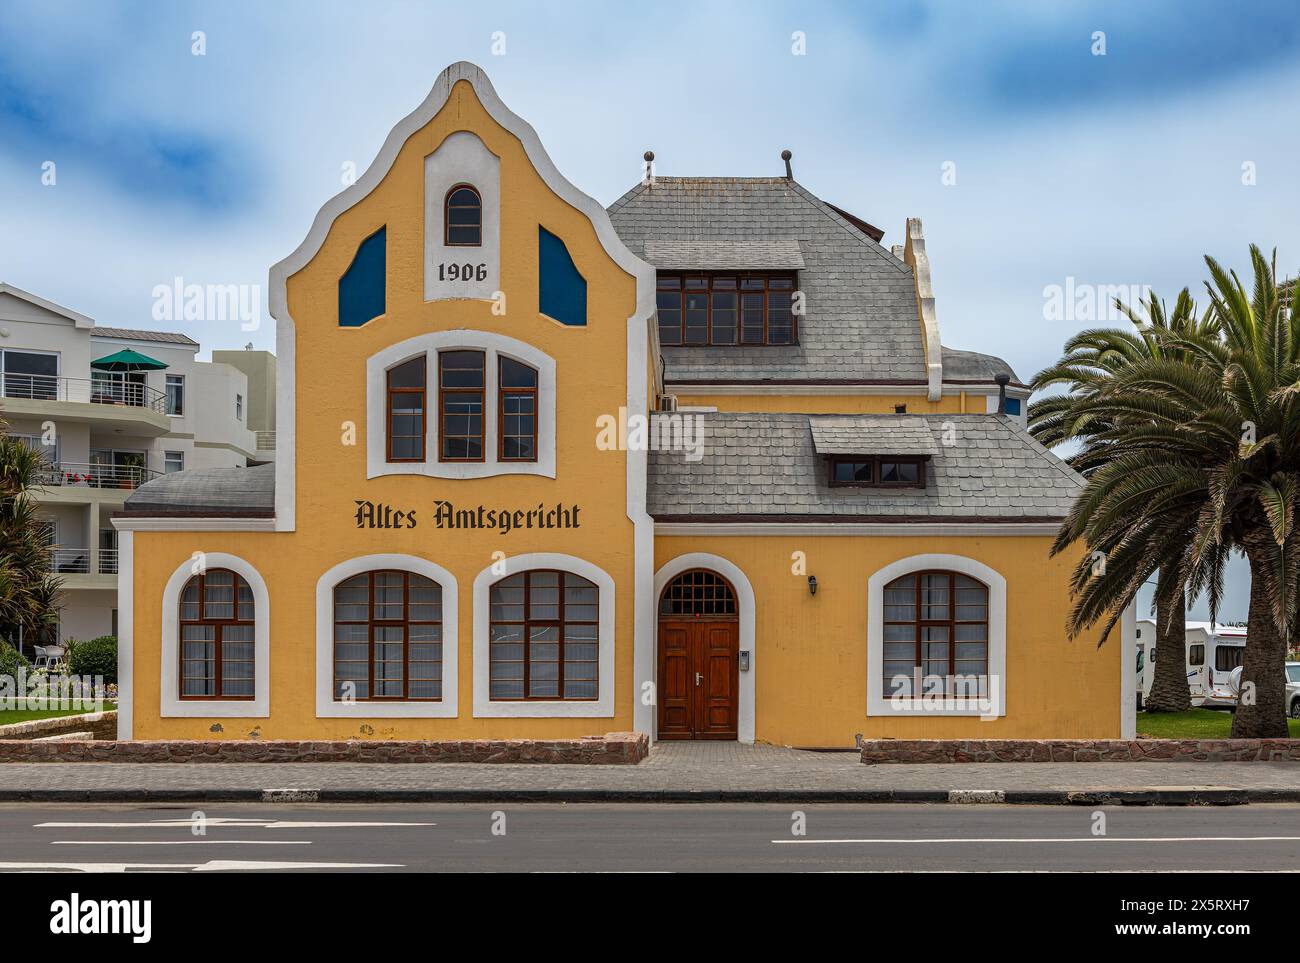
1210,654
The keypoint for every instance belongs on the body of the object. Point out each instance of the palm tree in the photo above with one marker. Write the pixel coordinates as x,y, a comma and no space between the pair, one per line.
28,591
1197,454
1091,361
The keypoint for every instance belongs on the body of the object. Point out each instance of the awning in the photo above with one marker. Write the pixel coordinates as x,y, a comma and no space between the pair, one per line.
872,435
127,360
773,254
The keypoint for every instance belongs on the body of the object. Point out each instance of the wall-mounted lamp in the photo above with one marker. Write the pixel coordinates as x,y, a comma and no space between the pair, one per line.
812,584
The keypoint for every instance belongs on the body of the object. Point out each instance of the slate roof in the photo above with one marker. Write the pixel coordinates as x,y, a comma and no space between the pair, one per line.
862,321
138,334
763,467
973,366
877,435
211,491
775,254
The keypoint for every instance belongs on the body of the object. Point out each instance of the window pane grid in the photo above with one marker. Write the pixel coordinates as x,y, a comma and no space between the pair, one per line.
460,385
406,411
388,638
464,217
935,623
517,414
698,592
217,637
726,309
543,638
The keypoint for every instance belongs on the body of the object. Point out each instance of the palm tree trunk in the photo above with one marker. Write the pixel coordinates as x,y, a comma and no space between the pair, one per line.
1262,712
1169,689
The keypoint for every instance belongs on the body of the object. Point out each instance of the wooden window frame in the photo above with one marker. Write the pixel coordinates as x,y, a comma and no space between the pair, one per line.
423,391
527,623
217,639
875,461
481,391
446,216
371,623
687,586
739,291
502,391
951,623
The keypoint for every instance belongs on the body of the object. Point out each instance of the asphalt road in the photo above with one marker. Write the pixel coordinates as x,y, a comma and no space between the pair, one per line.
662,838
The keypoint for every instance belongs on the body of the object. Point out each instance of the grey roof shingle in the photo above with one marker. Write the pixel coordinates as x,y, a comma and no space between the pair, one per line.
874,435
973,366
139,334
773,254
861,322
220,491
764,466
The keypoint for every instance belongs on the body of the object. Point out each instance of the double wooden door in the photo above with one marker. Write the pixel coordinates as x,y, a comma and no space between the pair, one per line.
699,679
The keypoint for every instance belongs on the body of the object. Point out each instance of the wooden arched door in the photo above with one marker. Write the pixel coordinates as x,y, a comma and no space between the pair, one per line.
699,658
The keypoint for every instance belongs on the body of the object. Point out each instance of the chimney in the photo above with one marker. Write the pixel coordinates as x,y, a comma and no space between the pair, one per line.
785,156
1002,381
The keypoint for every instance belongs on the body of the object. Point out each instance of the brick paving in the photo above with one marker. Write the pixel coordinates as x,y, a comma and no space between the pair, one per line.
672,767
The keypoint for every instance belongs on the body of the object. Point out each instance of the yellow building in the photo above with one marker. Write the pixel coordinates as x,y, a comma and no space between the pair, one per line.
696,466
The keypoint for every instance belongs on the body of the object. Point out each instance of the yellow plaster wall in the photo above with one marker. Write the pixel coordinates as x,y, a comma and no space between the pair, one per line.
810,655
591,380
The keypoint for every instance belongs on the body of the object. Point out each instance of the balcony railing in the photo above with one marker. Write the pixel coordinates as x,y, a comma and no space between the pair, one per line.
90,390
265,440
70,561
66,474
108,561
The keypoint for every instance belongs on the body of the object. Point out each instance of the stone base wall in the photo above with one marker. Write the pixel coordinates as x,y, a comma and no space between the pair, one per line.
611,749
877,751
102,725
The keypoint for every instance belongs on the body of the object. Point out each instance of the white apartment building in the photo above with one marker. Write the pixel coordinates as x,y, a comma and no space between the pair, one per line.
105,433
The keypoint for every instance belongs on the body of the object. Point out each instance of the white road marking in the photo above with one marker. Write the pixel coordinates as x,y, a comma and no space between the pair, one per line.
180,842
218,821
1057,839
211,866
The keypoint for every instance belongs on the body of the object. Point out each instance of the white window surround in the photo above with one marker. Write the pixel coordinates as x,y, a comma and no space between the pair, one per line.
484,706
745,724
327,707
878,704
173,706
494,346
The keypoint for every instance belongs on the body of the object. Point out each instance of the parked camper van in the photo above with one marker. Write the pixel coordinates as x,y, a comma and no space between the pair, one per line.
1210,654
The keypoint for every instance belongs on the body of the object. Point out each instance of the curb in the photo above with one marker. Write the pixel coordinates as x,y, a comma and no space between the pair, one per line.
1156,796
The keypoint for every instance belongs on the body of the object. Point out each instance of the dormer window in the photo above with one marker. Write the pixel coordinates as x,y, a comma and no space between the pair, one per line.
464,217
721,308
874,451
876,471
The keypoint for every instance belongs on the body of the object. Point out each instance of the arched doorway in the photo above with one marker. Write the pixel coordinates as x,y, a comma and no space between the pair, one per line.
699,665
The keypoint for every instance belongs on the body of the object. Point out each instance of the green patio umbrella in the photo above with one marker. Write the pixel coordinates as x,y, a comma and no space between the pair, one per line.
127,360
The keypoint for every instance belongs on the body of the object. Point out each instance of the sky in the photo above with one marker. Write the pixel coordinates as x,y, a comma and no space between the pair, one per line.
1082,147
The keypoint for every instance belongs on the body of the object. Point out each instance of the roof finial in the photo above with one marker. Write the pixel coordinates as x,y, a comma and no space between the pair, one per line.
648,172
785,156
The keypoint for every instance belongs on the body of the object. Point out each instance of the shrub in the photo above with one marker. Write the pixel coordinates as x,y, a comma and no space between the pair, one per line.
94,657
11,660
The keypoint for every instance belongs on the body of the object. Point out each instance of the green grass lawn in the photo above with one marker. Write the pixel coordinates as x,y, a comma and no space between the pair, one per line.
1193,724
27,715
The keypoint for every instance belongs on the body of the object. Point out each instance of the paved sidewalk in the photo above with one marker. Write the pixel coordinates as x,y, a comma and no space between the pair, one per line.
674,772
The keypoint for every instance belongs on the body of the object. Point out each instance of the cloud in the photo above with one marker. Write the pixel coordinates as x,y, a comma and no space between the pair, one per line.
1123,169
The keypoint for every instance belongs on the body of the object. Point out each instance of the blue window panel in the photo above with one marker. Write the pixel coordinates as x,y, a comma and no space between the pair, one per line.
1013,406
561,290
361,289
